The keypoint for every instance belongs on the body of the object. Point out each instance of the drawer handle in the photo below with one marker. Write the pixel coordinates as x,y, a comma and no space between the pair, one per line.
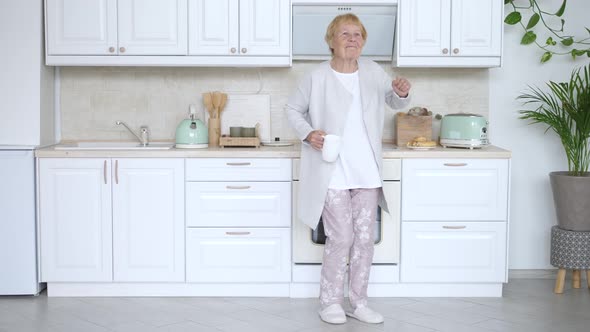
238,164
105,172
237,233
455,164
454,227
237,187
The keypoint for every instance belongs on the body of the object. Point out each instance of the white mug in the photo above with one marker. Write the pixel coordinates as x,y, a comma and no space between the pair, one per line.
331,148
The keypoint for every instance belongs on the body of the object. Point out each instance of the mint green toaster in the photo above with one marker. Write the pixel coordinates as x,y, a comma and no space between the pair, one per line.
464,130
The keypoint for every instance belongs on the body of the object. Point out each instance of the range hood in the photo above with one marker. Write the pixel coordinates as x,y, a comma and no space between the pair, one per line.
310,22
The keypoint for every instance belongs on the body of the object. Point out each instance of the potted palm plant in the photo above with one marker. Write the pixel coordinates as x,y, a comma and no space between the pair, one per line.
565,109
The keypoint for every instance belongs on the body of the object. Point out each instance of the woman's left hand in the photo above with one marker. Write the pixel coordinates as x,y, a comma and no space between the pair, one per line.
401,86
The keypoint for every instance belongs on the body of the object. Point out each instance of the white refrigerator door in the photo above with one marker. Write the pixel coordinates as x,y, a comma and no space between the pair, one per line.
18,250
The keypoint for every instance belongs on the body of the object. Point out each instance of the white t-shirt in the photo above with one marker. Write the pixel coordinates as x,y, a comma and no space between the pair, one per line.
356,166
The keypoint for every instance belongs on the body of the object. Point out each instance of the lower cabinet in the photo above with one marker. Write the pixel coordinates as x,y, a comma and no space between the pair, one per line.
116,220
454,220
453,252
238,218
238,255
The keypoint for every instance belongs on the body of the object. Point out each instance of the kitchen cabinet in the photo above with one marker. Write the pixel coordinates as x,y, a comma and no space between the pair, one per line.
111,220
168,32
449,33
238,214
239,28
454,220
116,27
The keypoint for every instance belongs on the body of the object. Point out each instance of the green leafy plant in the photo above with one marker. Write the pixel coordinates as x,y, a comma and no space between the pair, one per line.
568,45
565,109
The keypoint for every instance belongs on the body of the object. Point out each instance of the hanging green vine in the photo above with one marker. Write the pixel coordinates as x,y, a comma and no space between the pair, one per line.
568,44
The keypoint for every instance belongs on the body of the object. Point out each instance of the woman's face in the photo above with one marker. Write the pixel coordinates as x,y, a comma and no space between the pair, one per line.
347,42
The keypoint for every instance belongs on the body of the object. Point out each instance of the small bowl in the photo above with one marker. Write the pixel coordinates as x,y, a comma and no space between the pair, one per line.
248,132
235,131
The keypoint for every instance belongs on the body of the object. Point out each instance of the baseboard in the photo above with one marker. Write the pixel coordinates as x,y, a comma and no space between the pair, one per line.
532,274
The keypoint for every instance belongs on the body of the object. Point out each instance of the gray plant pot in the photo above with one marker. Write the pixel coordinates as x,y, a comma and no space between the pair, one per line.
571,195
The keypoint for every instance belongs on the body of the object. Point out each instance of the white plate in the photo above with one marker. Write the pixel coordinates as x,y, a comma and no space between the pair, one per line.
277,144
421,148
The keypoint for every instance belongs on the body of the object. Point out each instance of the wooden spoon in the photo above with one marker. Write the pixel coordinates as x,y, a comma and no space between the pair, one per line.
223,102
207,100
216,102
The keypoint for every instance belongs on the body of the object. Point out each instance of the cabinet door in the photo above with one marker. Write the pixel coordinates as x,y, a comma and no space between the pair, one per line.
238,255
264,27
453,252
476,28
148,219
75,220
455,189
81,27
424,27
152,27
213,27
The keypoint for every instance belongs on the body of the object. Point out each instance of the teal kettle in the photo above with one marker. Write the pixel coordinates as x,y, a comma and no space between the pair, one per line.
192,133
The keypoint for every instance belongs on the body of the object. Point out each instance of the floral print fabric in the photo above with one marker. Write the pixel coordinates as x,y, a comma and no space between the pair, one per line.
349,222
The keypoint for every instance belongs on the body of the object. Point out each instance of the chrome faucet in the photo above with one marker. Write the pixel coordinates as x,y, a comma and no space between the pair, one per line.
144,133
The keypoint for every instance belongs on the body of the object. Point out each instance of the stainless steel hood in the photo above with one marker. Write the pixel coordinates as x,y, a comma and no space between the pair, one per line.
311,21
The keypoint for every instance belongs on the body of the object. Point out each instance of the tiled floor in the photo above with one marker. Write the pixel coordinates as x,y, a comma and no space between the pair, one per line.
527,305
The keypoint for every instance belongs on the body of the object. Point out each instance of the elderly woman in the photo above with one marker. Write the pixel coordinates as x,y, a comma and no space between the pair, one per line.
345,97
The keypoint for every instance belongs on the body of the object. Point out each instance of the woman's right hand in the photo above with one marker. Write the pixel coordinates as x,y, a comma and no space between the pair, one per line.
316,139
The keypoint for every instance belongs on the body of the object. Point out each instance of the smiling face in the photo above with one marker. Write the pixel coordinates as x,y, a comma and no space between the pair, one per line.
347,42
346,36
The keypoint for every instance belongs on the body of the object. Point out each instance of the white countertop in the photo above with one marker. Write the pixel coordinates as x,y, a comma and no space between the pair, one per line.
389,152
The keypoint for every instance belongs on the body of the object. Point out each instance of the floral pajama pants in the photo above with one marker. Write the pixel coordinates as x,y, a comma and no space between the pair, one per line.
349,222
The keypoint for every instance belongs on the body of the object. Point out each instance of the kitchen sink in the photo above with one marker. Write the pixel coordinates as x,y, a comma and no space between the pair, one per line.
114,146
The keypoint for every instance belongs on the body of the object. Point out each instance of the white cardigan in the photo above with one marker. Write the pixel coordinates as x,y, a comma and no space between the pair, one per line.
321,102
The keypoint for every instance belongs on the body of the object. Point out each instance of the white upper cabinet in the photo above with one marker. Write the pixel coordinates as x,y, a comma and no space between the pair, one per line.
152,27
111,27
168,33
213,26
77,27
245,27
264,27
449,33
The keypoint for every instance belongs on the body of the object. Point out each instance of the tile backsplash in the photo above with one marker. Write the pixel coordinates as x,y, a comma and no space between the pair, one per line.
93,98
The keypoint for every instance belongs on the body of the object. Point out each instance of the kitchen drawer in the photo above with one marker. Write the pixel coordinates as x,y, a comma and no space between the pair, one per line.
453,252
455,189
238,169
392,169
238,204
238,255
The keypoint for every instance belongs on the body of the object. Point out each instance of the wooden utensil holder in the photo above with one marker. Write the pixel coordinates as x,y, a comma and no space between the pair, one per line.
214,132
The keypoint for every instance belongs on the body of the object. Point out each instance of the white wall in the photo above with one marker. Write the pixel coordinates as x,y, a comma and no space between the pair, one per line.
534,153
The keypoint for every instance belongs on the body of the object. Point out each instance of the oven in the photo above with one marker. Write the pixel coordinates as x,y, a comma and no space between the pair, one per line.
308,244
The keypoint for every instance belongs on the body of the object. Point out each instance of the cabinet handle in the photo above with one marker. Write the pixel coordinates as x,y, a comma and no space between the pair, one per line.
104,172
454,227
112,49
116,172
237,233
455,164
233,50
238,164
456,51
244,50
445,51
122,49
237,187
